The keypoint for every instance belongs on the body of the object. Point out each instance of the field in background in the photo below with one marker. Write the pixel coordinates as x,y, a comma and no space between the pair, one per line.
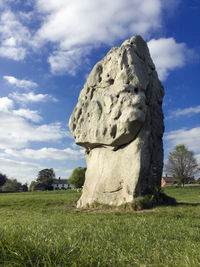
45,229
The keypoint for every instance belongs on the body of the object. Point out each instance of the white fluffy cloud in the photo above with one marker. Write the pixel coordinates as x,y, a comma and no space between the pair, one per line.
74,23
27,97
183,112
25,84
15,53
28,114
7,107
47,153
31,97
5,104
25,171
16,132
61,61
76,26
188,137
14,37
168,55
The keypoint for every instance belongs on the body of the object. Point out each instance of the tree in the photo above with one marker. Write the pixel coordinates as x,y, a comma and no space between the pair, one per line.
45,177
32,186
25,187
182,164
3,179
77,178
12,185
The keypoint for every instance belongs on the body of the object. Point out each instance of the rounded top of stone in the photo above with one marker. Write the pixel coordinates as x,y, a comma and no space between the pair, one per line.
112,105
136,39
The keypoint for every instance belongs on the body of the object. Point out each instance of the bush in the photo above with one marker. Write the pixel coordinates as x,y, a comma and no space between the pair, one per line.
3,179
12,185
149,201
77,178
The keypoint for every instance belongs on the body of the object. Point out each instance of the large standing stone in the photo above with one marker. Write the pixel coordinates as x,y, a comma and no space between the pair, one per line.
119,121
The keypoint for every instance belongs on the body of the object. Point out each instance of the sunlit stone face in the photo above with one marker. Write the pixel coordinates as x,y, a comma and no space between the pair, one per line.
112,105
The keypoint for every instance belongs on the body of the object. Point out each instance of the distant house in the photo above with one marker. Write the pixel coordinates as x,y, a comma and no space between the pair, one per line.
59,184
168,180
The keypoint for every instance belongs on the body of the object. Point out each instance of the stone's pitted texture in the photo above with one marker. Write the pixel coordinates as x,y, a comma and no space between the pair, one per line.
119,121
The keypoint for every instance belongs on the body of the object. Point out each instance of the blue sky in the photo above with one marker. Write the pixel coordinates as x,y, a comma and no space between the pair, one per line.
47,49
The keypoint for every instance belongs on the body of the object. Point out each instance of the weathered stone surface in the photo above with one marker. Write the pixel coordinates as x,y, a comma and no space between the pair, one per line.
119,121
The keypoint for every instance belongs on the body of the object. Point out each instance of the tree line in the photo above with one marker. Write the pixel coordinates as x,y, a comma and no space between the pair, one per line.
43,181
181,164
11,185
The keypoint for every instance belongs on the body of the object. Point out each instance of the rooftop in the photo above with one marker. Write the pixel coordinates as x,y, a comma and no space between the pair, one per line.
60,181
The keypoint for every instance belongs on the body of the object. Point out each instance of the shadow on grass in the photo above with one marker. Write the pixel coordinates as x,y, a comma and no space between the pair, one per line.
188,204
146,202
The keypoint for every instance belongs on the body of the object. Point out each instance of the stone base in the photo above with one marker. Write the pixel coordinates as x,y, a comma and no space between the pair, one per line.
116,177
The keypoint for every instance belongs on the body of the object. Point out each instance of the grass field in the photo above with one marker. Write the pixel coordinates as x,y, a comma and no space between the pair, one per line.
45,229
